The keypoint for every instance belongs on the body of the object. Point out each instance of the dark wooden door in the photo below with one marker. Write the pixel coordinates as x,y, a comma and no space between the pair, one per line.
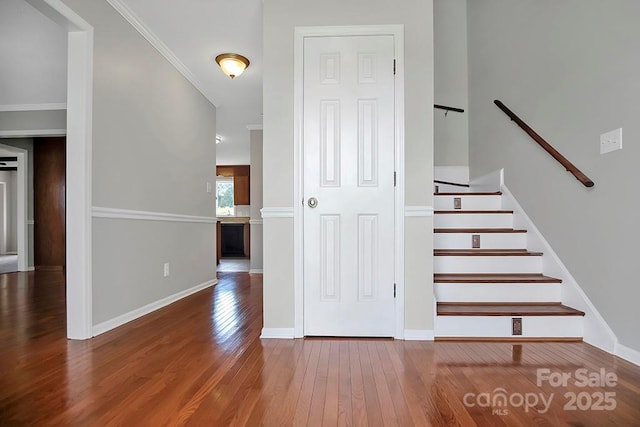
49,202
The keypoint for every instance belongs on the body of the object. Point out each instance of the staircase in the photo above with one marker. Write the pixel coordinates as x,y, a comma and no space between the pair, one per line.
487,284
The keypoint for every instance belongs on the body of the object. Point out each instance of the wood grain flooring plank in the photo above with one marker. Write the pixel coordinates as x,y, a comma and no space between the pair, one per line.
201,362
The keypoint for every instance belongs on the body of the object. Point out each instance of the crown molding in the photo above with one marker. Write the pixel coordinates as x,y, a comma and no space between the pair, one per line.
155,41
34,107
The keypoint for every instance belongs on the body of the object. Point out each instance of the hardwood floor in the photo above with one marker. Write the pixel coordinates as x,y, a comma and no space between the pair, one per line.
200,362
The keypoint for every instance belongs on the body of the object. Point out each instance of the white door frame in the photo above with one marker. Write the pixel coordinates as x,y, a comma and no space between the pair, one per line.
22,222
79,144
397,31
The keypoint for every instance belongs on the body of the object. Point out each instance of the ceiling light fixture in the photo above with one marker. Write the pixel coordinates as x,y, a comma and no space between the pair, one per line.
232,64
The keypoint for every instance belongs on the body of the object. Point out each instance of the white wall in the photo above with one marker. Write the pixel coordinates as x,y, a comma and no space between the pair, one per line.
569,79
451,141
256,258
280,18
153,151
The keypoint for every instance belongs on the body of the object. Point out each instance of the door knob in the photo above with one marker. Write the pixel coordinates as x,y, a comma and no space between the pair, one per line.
312,202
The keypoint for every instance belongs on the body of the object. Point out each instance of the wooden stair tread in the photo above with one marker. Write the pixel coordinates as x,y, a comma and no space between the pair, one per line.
493,278
506,309
461,211
484,252
478,230
479,193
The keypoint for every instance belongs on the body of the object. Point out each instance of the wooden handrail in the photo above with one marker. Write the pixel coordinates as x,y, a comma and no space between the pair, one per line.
447,108
547,147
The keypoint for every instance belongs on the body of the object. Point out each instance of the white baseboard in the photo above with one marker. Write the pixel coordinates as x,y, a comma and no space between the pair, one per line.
418,335
256,271
628,354
108,325
277,333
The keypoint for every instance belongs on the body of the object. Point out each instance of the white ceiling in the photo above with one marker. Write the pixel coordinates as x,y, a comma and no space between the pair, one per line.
33,71
195,32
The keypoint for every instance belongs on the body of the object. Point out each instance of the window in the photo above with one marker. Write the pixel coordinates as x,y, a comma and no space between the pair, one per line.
224,197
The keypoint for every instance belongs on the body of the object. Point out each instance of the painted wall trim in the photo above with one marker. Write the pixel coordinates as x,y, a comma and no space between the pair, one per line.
276,212
277,333
22,223
79,164
256,271
628,354
423,211
254,127
155,41
34,107
256,222
146,309
113,213
32,132
418,335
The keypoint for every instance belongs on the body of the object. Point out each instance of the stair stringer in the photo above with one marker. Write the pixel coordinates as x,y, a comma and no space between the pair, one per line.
596,330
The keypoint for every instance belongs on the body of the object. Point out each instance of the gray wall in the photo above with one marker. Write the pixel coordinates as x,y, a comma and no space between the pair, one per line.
33,120
451,141
570,69
153,150
280,18
255,144
33,70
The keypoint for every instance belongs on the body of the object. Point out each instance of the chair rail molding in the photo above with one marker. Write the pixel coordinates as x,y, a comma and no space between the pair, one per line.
115,213
277,212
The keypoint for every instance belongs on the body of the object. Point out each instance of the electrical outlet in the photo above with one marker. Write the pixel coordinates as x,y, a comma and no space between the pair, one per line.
611,141
457,203
166,269
475,241
516,326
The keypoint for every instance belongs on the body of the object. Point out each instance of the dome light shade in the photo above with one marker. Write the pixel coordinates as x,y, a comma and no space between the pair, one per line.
232,64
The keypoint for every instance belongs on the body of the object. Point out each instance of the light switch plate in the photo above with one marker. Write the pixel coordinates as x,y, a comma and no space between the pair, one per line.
208,187
457,203
611,141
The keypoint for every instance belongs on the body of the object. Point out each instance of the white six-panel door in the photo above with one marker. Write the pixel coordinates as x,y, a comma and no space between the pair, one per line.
348,152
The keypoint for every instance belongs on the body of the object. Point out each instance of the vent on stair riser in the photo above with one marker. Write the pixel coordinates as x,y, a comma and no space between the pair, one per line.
480,290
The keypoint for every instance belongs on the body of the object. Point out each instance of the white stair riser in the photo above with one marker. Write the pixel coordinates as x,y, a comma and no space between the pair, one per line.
468,202
444,188
498,292
500,326
487,240
487,264
473,220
